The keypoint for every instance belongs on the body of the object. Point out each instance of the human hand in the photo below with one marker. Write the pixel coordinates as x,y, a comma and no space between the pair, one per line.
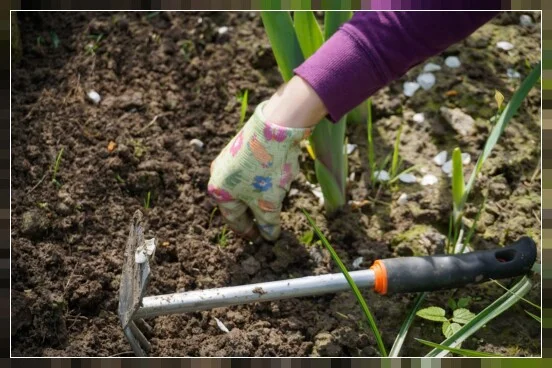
253,173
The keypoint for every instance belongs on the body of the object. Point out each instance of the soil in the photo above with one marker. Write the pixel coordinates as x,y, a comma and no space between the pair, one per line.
167,78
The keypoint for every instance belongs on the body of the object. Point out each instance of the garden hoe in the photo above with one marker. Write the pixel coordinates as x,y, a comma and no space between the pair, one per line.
395,275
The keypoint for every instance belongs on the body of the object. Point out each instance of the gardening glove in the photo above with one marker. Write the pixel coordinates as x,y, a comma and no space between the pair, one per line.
253,173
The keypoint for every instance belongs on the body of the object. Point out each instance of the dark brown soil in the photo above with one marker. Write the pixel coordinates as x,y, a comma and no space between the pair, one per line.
167,78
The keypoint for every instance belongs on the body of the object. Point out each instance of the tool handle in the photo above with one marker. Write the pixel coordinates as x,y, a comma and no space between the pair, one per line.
415,274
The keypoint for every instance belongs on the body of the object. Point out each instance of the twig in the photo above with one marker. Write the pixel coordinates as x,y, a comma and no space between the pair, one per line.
123,353
149,124
39,182
537,217
71,275
536,172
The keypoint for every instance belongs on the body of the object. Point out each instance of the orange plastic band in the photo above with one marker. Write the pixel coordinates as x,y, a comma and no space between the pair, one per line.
380,274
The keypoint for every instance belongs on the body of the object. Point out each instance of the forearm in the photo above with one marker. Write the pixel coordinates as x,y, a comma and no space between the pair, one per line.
375,48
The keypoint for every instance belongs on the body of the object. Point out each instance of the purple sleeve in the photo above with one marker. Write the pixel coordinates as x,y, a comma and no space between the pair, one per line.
374,48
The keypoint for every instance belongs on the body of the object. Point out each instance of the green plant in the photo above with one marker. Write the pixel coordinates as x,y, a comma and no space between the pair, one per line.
93,46
55,168
222,237
242,99
460,316
292,41
307,237
463,352
370,141
147,200
401,336
356,291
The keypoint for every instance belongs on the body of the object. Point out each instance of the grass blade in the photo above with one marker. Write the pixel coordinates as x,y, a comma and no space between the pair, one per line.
243,107
508,290
285,46
537,318
308,32
463,352
395,160
371,154
401,336
470,233
458,185
355,289
505,117
484,317
332,21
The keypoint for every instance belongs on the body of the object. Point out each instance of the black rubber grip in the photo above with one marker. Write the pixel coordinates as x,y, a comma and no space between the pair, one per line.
415,274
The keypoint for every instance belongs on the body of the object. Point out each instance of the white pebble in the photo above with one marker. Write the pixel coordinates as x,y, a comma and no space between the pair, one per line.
196,144
409,88
222,30
431,67
447,167
419,117
199,20
504,45
94,96
403,198
221,325
357,262
408,178
440,158
293,192
525,20
429,179
513,74
381,175
317,191
466,158
351,148
452,62
352,176
426,80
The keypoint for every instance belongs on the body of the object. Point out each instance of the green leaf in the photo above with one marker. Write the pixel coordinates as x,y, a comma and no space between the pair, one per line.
433,314
484,317
332,21
499,98
463,352
464,302
352,284
537,318
395,159
462,315
308,32
243,107
401,336
450,329
457,183
307,237
452,304
505,117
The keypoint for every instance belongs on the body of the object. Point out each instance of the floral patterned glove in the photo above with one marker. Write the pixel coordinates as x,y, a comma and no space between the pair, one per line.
253,173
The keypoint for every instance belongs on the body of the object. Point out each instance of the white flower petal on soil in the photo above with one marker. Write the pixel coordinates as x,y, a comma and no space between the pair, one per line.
431,67
513,74
466,158
504,45
452,62
419,117
403,198
222,30
408,178
196,144
351,148
357,262
409,88
381,175
440,158
221,325
429,179
317,191
525,20
447,167
426,80
94,96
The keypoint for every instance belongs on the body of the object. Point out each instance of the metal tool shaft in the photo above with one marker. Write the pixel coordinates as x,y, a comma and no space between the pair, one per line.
198,300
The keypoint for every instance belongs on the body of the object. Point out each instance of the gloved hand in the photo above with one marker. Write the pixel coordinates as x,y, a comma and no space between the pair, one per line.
253,173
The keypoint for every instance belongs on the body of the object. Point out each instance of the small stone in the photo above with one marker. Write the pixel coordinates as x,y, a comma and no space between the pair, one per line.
429,179
460,121
351,148
293,192
513,74
251,266
525,20
447,167
408,178
409,88
357,262
221,325
452,62
94,96
431,67
317,191
222,30
403,198
381,175
418,117
504,45
197,144
34,224
426,80
440,158
466,158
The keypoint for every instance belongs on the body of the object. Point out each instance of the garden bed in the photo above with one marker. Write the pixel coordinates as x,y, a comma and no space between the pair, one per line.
168,78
